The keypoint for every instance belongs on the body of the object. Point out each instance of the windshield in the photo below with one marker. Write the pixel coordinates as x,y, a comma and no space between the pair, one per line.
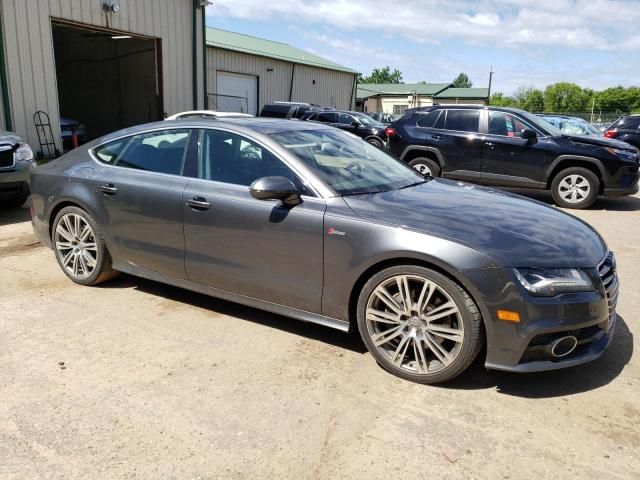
346,163
367,121
542,123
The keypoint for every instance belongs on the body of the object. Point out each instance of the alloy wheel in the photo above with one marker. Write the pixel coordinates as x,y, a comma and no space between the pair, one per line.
574,188
75,245
415,324
423,169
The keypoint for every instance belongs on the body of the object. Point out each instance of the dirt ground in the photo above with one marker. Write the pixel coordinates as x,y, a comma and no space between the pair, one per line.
158,382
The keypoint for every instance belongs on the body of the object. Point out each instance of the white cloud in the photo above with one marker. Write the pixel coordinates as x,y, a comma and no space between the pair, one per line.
600,24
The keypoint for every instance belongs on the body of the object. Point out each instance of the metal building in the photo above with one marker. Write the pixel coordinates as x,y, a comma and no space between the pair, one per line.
106,64
245,72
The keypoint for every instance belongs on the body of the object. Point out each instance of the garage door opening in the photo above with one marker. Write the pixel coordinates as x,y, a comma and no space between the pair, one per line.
106,80
236,92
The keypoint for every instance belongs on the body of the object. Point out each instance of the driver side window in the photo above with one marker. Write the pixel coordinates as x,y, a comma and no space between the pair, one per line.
230,158
506,125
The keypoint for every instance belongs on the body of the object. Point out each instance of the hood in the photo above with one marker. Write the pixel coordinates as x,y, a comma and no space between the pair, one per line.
511,229
599,141
9,137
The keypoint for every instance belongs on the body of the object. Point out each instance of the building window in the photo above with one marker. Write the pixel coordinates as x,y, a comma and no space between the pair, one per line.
398,109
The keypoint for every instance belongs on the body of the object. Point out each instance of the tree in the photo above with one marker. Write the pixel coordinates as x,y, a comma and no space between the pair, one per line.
382,75
565,97
530,99
499,99
462,81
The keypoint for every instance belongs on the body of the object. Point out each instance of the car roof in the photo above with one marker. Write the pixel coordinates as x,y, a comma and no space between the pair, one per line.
256,124
469,107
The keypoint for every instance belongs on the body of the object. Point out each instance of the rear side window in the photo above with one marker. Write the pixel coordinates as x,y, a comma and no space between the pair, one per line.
327,117
429,119
627,123
160,152
463,120
275,111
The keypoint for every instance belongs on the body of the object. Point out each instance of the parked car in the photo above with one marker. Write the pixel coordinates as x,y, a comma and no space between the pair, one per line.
513,148
357,123
625,128
384,118
67,128
289,110
16,162
209,114
572,125
307,221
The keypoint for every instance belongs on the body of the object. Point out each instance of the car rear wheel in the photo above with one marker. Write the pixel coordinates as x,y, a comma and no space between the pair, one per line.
376,142
425,166
80,248
575,187
418,324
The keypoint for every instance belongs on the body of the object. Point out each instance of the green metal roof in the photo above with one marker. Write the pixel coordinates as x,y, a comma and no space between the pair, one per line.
267,48
366,90
468,93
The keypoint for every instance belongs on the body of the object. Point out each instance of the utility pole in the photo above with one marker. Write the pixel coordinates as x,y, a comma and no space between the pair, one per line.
491,72
593,106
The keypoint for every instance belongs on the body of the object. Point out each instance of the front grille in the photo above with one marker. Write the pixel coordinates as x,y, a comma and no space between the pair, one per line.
6,156
609,278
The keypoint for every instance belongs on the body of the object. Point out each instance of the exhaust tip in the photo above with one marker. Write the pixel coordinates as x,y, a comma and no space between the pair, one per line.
563,346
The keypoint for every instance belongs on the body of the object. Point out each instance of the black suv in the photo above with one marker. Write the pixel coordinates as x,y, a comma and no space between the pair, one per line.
625,128
357,123
289,110
513,148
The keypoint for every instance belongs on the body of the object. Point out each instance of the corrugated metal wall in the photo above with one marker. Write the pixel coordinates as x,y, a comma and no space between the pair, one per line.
30,55
2,124
331,88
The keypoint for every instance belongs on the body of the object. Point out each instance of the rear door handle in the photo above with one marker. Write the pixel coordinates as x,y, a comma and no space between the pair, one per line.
199,203
108,189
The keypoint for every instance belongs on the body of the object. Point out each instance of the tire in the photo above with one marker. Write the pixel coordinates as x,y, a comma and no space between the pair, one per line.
376,142
425,166
92,262
575,187
413,335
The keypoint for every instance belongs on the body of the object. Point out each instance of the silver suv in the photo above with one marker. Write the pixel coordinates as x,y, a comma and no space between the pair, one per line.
16,162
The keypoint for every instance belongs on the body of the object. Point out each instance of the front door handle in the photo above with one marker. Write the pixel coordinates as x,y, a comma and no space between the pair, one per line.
490,145
108,189
437,137
199,203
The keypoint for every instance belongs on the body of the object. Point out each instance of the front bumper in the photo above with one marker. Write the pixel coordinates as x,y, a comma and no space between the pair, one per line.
519,347
620,192
15,179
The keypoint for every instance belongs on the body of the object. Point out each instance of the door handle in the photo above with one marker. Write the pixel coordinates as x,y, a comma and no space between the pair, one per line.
437,137
108,189
490,145
199,203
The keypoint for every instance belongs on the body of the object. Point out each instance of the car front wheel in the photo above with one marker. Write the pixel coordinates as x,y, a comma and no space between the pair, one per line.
425,166
575,187
418,324
80,248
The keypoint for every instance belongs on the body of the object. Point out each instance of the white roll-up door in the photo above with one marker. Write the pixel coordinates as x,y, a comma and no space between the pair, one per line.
237,92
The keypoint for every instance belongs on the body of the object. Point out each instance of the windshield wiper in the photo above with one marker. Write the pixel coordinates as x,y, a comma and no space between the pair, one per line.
366,192
413,184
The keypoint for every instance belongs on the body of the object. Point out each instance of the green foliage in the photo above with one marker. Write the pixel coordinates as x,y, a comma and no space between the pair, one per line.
382,75
564,97
462,81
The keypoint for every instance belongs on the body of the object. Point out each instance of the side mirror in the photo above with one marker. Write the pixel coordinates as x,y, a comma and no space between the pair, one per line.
355,123
276,188
529,135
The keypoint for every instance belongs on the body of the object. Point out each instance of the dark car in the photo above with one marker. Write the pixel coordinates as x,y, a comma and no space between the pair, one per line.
307,221
289,110
625,128
359,124
384,118
16,162
513,148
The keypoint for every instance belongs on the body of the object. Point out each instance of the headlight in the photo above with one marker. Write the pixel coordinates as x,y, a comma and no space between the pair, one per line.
630,154
23,153
548,282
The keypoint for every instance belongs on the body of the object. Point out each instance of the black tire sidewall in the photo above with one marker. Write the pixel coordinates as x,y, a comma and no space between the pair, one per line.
591,177
101,257
376,142
433,166
470,347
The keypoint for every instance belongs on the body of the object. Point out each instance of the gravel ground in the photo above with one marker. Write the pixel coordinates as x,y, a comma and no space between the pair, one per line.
134,379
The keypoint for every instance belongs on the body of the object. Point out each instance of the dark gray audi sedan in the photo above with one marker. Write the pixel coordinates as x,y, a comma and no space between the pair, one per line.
310,222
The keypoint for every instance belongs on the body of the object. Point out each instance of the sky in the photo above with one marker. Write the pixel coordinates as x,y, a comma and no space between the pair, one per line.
594,43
